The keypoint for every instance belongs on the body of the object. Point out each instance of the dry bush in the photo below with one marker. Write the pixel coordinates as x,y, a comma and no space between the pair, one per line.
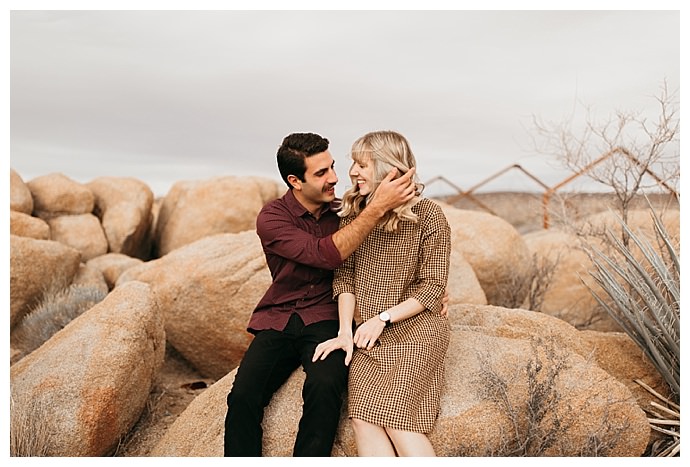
29,432
528,291
541,424
625,152
57,308
543,271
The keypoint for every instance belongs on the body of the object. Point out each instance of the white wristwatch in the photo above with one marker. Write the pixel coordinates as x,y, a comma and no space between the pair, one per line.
385,317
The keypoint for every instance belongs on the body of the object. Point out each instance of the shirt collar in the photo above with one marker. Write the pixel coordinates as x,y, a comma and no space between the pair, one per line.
298,210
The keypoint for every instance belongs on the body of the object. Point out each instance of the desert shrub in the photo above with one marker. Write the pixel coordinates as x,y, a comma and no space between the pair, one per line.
540,418
543,271
29,432
57,308
643,296
528,290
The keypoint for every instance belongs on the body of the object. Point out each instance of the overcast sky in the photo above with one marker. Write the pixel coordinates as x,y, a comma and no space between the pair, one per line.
165,96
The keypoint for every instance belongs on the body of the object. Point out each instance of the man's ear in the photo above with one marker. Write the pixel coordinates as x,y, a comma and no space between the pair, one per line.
295,182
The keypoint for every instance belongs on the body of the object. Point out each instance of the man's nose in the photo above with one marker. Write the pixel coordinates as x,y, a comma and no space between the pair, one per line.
333,177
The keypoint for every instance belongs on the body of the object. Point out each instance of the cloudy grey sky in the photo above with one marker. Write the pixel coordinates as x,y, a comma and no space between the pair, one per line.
165,96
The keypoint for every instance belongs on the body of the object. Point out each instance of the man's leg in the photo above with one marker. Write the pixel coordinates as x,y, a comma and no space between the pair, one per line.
324,388
266,365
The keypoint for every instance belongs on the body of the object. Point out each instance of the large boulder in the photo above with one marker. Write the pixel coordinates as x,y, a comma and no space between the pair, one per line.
565,268
84,389
535,361
82,232
112,265
207,291
195,209
570,287
124,206
623,359
463,285
37,267
26,225
89,275
495,250
20,195
58,195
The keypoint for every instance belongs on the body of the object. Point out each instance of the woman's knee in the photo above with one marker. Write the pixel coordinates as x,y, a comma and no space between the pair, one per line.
360,426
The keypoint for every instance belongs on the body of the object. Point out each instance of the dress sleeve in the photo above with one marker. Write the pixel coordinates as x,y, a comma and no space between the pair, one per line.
431,283
282,237
344,276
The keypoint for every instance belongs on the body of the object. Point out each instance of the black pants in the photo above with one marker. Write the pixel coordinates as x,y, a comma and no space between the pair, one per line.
269,361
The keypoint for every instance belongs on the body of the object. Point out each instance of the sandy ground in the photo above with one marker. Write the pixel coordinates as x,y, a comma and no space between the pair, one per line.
177,385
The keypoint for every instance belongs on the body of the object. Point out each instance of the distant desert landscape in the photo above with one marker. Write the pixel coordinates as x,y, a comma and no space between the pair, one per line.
526,212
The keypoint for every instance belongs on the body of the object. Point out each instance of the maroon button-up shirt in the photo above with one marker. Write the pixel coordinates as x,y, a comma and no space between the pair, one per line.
301,256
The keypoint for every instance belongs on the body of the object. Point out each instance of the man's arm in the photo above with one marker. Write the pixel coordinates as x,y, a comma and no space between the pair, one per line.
389,195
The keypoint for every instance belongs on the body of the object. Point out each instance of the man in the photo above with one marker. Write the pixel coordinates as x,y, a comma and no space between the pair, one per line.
300,237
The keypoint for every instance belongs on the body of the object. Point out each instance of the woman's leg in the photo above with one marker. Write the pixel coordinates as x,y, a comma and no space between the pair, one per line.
410,444
371,439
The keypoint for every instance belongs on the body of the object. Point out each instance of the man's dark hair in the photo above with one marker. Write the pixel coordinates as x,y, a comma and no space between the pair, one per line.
294,149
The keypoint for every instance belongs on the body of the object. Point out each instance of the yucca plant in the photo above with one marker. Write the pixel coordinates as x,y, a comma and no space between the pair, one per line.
644,298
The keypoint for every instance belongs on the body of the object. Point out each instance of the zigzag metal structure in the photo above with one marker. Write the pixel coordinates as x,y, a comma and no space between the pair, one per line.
548,191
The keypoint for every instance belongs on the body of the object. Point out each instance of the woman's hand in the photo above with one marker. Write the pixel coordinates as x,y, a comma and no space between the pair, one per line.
343,341
444,304
368,332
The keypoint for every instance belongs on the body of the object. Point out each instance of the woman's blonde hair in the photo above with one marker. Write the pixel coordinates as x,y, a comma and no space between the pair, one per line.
384,149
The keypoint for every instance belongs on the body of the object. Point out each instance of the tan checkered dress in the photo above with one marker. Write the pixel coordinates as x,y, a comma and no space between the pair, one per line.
398,383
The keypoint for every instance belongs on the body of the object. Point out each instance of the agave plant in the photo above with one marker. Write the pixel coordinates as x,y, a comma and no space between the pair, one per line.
644,299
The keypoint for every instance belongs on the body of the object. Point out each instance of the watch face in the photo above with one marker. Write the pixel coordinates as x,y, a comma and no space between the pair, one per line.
384,316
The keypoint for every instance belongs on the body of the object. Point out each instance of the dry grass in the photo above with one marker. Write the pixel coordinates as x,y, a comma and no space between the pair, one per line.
541,424
29,433
57,308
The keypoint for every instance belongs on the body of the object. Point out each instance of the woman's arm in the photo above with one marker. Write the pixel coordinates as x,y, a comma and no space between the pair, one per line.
370,330
432,279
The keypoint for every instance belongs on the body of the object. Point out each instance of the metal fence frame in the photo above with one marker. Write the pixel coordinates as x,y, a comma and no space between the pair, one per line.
547,191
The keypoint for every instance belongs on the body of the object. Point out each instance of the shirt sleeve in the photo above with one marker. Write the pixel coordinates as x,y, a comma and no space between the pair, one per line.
432,280
343,276
281,236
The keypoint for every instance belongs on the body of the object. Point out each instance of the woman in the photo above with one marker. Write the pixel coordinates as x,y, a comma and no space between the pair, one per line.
392,286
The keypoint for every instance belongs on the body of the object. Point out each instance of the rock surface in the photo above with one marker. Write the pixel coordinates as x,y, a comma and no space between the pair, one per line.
124,207
84,389
35,267
495,250
494,343
193,210
207,291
